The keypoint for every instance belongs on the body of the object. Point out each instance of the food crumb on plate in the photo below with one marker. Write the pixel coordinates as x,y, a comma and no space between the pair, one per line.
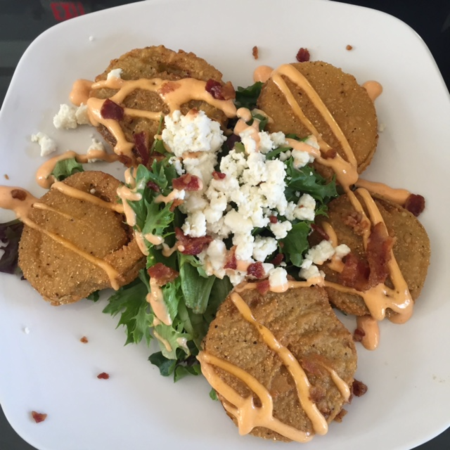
349,47
26,330
103,376
84,340
91,38
6,176
46,143
38,417
381,127
255,52
303,55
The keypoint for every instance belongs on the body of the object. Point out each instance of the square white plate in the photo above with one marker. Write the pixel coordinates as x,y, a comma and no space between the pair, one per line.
50,371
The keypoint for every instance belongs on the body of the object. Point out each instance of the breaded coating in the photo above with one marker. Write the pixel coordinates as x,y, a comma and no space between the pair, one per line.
301,320
411,248
156,62
347,101
61,275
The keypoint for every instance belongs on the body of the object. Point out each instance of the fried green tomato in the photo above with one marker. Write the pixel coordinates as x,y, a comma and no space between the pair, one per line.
347,101
302,320
60,274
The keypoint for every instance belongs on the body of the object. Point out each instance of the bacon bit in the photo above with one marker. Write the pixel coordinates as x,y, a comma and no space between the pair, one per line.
277,260
358,335
231,262
111,110
18,194
153,186
415,204
84,340
256,270
358,388
141,146
355,273
168,87
175,204
6,176
125,160
220,91
218,175
342,413
320,231
379,251
38,417
356,222
349,47
255,52
263,287
231,140
329,154
303,55
162,274
192,245
103,376
273,219
187,182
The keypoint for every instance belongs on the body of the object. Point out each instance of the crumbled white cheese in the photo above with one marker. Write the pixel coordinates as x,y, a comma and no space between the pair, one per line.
320,252
277,277
69,117
95,146
311,272
301,158
279,139
81,115
46,143
280,229
263,247
306,208
341,251
26,330
194,132
115,73
177,164
195,224
216,256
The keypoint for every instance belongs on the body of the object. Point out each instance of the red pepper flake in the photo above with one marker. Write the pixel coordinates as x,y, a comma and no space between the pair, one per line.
111,110
84,340
415,204
187,182
303,55
256,270
218,175
277,260
220,91
18,194
273,219
38,417
103,376
263,287
255,52
349,47
162,274
141,146
153,186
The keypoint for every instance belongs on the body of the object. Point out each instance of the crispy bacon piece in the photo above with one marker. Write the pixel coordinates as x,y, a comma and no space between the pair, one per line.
218,175
111,110
18,194
329,154
263,287
162,274
355,273
255,52
349,47
192,245
273,219
38,417
415,204
187,182
358,334
84,340
220,91
379,251
303,55
358,388
355,221
103,376
256,270
153,186
231,262
277,260
141,146
320,231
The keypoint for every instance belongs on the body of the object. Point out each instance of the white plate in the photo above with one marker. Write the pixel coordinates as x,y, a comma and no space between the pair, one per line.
50,371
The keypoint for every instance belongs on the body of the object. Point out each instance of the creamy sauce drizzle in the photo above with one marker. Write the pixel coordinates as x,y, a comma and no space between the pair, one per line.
398,196
373,88
163,341
80,92
262,74
167,198
156,299
371,330
335,264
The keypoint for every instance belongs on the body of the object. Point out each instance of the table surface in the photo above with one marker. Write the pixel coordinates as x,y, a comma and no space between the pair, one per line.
22,21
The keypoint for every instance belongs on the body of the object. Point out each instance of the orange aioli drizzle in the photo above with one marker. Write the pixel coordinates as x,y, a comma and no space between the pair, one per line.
80,92
247,415
373,88
167,198
335,264
126,194
163,341
141,243
22,210
371,330
174,94
262,74
398,196
45,207
168,251
43,174
156,299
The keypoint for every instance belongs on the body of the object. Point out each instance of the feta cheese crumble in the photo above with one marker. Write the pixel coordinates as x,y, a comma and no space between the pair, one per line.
46,143
115,73
69,117
95,146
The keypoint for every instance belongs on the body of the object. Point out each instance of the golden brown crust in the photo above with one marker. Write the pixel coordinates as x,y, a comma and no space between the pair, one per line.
411,248
302,320
62,276
347,101
156,62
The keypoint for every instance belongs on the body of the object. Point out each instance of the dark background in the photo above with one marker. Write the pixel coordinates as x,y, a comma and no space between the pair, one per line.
21,21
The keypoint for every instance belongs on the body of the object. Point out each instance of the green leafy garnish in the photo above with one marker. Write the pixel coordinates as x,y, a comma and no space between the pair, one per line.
247,97
94,296
213,395
296,243
66,168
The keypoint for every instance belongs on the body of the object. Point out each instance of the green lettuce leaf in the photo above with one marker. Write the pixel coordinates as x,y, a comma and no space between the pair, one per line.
296,243
66,168
94,296
247,97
